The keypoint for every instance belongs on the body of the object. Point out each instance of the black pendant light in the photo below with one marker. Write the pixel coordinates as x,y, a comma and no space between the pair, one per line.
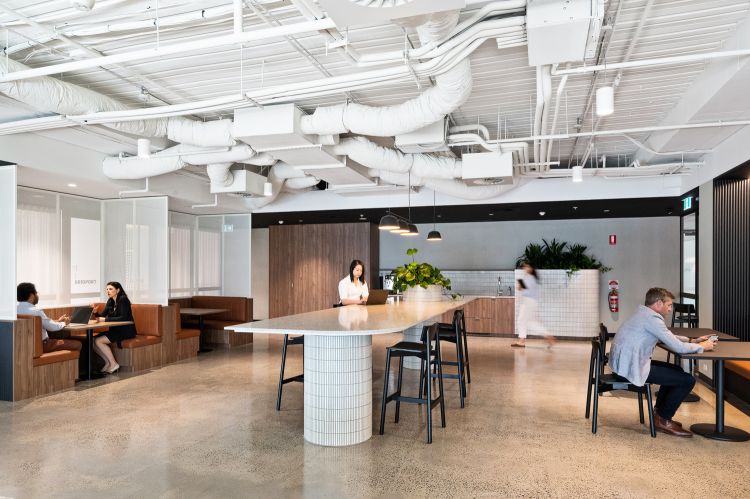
434,235
388,222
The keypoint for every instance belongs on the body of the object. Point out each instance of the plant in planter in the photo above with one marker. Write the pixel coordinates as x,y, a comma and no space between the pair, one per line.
411,275
560,255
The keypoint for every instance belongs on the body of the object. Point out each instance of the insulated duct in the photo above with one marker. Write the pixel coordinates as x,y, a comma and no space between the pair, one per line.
452,88
450,187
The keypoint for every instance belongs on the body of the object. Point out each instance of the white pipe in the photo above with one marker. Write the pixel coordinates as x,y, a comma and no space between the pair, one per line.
558,96
661,61
537,129
659,128
643,146
547,94
136,168
177,48
134,191
237,16
465,128
299,184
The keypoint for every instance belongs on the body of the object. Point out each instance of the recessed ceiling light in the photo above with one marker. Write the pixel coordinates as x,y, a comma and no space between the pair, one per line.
605,210
439,216
575,207
281,222
72,185
491,214
542,213
299,221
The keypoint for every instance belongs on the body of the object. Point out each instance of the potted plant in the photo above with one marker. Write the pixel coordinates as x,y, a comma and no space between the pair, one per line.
419,281
569,302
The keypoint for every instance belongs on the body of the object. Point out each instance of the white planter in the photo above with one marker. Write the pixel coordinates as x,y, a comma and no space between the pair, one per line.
568,306
418,293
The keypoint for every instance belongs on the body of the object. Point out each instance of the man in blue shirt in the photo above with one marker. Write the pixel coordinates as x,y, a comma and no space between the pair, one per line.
633,346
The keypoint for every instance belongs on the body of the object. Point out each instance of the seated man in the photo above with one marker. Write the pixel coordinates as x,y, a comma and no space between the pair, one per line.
630,358
27,299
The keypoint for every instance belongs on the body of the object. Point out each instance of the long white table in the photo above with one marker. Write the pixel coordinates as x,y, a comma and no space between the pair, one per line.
338,361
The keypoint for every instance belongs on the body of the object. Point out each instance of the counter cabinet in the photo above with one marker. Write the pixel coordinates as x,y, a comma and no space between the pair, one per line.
488,316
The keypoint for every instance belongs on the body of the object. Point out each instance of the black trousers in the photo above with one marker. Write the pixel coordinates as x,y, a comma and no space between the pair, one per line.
674,386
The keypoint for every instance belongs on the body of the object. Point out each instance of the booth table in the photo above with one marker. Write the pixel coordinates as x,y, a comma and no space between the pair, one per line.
200,313
727,350
90,329
338,361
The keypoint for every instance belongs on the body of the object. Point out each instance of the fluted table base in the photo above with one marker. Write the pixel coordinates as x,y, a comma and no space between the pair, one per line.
338,389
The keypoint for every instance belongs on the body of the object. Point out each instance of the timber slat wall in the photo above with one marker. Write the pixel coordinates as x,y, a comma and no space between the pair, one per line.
731,265
306,263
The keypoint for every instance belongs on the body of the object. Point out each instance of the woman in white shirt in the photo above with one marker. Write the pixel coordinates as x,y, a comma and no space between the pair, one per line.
353,288
527,289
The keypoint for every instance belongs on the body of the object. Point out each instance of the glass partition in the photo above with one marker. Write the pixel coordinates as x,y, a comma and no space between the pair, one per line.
7,246
135,247
237,261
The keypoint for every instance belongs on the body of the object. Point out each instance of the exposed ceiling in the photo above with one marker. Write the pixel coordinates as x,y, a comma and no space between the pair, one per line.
503,97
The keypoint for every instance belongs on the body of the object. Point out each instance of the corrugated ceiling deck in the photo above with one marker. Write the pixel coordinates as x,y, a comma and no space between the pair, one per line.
504,85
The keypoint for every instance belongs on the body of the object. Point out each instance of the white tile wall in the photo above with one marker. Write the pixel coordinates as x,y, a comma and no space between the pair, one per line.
338,389
478,282
568,306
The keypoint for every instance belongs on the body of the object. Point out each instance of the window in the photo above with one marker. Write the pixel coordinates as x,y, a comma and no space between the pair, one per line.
181,261
38,249
689,239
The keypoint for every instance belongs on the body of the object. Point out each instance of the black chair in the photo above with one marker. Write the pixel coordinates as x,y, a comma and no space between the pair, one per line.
608,382
683,315
604,335
300,378
429,353
455,333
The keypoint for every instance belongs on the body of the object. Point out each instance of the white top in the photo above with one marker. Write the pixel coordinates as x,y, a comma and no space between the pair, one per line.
352,290
532,287
26,308
355,319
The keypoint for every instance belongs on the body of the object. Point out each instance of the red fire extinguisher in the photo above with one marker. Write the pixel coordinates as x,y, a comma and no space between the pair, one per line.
614,301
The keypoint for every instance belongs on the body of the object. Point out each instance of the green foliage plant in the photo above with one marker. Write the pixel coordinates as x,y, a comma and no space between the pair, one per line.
415,274
560,255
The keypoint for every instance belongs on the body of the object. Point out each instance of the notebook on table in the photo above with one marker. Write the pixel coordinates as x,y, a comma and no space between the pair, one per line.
81,315
377,297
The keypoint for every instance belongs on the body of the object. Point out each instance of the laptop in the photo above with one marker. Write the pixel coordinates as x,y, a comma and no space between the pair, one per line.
377,296
81,315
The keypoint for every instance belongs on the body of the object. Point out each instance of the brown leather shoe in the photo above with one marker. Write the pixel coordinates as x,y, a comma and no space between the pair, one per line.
670,427
656,411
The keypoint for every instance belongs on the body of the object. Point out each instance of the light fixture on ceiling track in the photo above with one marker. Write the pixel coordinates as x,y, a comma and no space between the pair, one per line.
434,235
267,189
577,173
412,228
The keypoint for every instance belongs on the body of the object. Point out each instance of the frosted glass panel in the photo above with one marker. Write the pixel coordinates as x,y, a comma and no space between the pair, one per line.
81,234
237,261
181,251
135,247
8,243
209,255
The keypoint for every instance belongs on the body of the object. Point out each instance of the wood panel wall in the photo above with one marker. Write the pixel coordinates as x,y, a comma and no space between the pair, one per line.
731,257
306,263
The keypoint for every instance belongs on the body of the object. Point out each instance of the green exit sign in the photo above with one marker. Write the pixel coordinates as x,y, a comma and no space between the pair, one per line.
687,203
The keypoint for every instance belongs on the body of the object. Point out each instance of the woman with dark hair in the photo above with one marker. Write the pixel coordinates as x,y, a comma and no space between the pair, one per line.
117,309
353,288
528,291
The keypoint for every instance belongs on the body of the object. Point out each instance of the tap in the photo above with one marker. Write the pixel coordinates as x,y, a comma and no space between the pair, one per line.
499,286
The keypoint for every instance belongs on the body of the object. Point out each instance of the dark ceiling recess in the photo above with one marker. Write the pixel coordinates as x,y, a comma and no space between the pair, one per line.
5,163
553,210
741,172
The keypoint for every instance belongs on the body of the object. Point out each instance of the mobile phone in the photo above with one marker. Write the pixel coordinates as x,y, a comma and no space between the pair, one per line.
714,338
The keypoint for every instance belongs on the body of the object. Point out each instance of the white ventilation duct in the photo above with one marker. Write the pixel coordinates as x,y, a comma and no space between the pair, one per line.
220,174
130,168
279,175
51,95
452,88
370,154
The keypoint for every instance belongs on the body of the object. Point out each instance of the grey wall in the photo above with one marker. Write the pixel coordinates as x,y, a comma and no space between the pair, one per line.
259,289
647,252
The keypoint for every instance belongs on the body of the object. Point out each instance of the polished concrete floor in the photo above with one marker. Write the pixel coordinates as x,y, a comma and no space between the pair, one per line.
208,428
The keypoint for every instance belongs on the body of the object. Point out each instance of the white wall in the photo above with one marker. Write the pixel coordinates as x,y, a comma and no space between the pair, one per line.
8,245
647,252
259,271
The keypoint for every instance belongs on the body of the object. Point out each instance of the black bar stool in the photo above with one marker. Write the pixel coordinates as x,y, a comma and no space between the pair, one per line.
455,332
297,340
430,356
